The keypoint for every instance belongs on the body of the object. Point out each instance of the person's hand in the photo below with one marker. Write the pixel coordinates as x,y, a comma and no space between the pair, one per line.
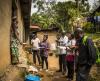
58,46
57,41
48,49
76,47
68,48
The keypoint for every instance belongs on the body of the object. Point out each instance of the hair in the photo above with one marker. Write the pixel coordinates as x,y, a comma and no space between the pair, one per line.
79,31
33,35
72,36
46,35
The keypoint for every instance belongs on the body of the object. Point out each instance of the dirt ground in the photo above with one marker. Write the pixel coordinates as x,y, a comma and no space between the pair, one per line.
52,75
14,73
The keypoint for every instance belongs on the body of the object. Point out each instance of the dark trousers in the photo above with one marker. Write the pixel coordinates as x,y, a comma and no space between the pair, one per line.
62,63
44,59
82,73
70,67
36,53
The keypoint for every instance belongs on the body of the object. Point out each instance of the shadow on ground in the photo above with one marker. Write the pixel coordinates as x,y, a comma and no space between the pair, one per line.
59,79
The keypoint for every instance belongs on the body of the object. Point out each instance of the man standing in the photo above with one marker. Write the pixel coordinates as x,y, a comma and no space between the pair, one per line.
86,55
62,52
35,48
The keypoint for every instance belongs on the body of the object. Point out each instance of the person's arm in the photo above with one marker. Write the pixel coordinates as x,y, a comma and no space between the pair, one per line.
65,40
31,42
48,46
39,42
73,44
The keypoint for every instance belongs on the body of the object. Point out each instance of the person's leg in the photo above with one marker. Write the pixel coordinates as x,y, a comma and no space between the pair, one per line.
83,73
60,63
71,70
68,67
46,62
38,56
42,58
64,64
34,56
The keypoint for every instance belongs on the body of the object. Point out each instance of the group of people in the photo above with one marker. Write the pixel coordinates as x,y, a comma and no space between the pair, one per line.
75,50
40,49
66,52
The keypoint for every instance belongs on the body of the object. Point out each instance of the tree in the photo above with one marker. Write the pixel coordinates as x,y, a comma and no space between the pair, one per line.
66,12
62,14
82,5
44,16
41,20
43,5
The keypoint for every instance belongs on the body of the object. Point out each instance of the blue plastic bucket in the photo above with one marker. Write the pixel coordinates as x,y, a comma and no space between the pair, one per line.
31,77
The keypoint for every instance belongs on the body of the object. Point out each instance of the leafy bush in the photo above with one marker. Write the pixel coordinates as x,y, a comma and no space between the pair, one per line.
88,27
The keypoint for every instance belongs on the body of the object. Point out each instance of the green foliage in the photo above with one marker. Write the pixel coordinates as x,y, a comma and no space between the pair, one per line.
88,27
62,14
45,15
41,20
42,5
97,14
88,24
64,11
38,4
83,5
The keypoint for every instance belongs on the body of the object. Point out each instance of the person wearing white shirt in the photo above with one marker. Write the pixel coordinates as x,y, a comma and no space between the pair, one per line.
62,53
35,48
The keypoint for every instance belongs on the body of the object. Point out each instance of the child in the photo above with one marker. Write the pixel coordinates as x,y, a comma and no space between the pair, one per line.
44,47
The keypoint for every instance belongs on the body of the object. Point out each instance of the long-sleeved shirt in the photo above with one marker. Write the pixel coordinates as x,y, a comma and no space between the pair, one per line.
44,47
62,45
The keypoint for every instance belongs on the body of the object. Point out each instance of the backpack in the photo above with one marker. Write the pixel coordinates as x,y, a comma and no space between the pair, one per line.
96,54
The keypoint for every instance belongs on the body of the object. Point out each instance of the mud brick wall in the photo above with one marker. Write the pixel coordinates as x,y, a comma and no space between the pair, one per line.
5,24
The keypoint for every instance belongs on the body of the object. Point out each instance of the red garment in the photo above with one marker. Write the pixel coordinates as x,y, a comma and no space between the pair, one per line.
69,57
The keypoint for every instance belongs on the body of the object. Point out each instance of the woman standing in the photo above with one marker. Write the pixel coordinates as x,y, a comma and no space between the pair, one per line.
70,56
44,47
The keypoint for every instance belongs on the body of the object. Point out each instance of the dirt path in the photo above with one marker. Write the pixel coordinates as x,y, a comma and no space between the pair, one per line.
53,62
15,74
52,75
